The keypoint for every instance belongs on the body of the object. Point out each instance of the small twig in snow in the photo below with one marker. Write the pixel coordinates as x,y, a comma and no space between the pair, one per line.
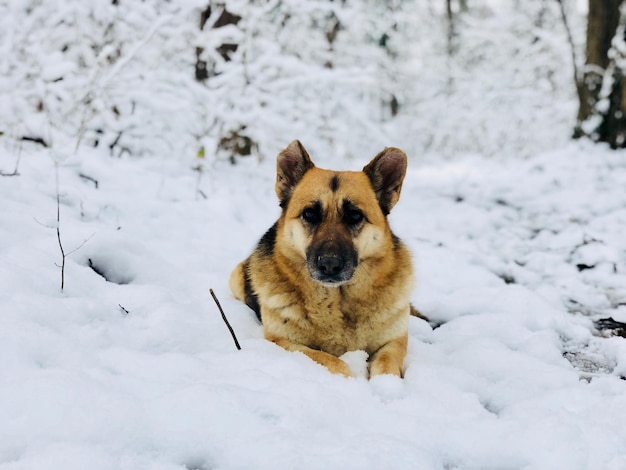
89,178
230,328
64,255
58,227
36,140
81,245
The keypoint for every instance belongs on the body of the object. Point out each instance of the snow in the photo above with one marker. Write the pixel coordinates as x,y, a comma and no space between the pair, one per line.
141,371
517,235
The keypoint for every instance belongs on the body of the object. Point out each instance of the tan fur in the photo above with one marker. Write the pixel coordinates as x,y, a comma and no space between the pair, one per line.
370,311
236,283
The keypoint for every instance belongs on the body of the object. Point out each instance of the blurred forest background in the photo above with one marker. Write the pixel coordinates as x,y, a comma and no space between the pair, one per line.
236,78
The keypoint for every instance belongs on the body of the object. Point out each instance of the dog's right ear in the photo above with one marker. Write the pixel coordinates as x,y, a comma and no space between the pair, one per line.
291,165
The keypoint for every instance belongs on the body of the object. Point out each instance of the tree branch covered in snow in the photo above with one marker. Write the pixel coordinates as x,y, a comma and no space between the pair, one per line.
346,76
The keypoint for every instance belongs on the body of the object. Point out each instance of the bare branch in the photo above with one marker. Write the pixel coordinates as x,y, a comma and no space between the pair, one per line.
44,225
89,178
58,228
568,31
36,140
64,255
82,244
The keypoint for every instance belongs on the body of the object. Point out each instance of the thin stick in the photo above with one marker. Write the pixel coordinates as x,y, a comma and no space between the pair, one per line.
230,328
89,178
56,174
81,245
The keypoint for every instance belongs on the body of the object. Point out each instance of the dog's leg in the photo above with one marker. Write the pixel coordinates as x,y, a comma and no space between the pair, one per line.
237,282
332,363
416,313
389,359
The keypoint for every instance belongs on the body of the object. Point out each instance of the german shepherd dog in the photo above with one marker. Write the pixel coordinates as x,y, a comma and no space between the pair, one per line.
330,276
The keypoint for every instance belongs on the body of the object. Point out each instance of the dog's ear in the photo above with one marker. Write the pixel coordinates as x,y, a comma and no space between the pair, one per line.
291,165
386,172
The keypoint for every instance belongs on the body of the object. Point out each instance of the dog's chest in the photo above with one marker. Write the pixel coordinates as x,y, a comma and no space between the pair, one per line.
337,327
335,323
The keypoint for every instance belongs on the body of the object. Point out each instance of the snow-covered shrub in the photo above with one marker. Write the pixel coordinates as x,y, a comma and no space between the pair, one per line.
506,90
344,77
115,74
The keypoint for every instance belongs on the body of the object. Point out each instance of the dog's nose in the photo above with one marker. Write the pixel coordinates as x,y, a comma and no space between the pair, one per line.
330,265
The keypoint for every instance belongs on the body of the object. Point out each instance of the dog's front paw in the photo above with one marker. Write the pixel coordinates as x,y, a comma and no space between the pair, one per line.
337,366
332,363
385,366
390,358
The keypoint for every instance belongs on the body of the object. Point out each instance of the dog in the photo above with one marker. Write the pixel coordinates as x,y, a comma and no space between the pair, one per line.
330,276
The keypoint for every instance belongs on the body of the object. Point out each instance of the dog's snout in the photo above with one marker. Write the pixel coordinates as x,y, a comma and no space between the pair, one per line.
330,265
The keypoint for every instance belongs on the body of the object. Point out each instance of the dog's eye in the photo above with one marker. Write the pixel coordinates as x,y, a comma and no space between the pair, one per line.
353,217
312,215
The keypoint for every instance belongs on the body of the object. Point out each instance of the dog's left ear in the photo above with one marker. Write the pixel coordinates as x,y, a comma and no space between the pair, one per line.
386,172
291,165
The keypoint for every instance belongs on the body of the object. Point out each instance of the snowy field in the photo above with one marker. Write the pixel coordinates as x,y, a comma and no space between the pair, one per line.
514,258
517,236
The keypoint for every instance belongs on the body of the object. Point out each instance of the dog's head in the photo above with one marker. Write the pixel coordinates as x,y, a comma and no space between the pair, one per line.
332,221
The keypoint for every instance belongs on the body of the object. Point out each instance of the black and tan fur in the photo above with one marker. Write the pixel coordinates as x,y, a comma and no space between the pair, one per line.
330,276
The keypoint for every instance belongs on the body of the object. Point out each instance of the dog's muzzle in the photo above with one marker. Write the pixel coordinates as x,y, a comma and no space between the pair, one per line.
332,265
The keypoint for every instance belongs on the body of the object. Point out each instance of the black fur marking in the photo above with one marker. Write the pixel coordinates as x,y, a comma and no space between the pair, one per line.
351,215
334,183
384,205
384,200
251,298
396,241
314,214
265,248
266,244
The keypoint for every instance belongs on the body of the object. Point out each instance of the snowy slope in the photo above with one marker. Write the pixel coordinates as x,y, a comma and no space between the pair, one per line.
140,372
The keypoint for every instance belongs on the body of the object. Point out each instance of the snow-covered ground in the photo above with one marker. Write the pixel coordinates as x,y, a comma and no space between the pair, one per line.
515,258
517,235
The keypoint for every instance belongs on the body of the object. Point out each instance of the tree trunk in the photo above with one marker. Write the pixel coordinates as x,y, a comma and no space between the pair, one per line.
602,25
613,126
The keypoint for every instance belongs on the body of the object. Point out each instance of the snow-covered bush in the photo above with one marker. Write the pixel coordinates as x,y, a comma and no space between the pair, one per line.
344,77
114,74
509,74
